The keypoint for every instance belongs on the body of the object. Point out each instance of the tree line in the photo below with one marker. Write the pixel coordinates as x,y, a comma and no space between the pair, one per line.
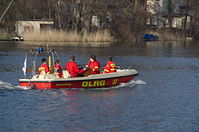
125,19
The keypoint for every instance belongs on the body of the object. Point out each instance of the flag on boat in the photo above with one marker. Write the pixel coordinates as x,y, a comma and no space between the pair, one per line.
25,65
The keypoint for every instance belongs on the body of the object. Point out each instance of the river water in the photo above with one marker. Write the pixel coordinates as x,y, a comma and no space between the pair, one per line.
163,98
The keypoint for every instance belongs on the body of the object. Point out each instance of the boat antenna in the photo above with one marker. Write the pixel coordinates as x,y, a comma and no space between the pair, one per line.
57,55
53,57
47,48
34,63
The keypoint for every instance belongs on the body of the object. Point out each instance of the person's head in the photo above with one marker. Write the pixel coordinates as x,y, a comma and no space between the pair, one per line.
92,58
57,62
72,58
110,58
43,60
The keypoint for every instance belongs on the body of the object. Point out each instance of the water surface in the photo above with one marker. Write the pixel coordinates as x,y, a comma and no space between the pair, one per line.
169,101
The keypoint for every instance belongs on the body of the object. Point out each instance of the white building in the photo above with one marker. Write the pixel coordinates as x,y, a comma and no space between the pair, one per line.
26,26
96,21
159,6
159,13
154,6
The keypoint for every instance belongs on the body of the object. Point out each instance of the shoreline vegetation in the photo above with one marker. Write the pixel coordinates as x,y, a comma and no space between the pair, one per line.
97,36
99,21
71,36
167,35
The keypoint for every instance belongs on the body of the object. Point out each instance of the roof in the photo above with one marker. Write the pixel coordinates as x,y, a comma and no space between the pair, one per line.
50,20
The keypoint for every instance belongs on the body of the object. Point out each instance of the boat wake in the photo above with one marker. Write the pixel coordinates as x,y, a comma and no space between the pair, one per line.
5,85
130,84
138,82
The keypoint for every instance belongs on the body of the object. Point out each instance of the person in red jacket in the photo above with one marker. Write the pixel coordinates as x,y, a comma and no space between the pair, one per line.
58,69
44,68
73,69
110,66
94,65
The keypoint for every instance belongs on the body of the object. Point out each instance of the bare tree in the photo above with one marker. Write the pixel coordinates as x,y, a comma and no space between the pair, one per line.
6,10
194,9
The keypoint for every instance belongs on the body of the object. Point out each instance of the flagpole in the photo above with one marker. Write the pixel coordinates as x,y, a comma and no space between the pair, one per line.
25,65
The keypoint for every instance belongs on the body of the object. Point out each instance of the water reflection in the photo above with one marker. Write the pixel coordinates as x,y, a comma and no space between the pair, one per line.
7,46
69,44
157,48
100,93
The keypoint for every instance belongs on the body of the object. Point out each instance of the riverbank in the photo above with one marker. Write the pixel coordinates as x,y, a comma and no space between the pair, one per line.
167,35
72,36
98,36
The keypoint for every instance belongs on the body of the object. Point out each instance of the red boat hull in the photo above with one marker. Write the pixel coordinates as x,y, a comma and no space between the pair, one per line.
86,84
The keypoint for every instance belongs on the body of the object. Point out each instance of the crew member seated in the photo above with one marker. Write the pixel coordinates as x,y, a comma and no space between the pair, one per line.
44,68
110,66
73,69
58,69
94,65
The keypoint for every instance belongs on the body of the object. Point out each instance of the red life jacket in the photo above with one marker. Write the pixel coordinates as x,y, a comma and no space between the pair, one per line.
94,66
110,67
59,70
44,67
73,69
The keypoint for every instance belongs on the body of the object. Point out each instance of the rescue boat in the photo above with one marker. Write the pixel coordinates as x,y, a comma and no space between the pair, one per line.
103,80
